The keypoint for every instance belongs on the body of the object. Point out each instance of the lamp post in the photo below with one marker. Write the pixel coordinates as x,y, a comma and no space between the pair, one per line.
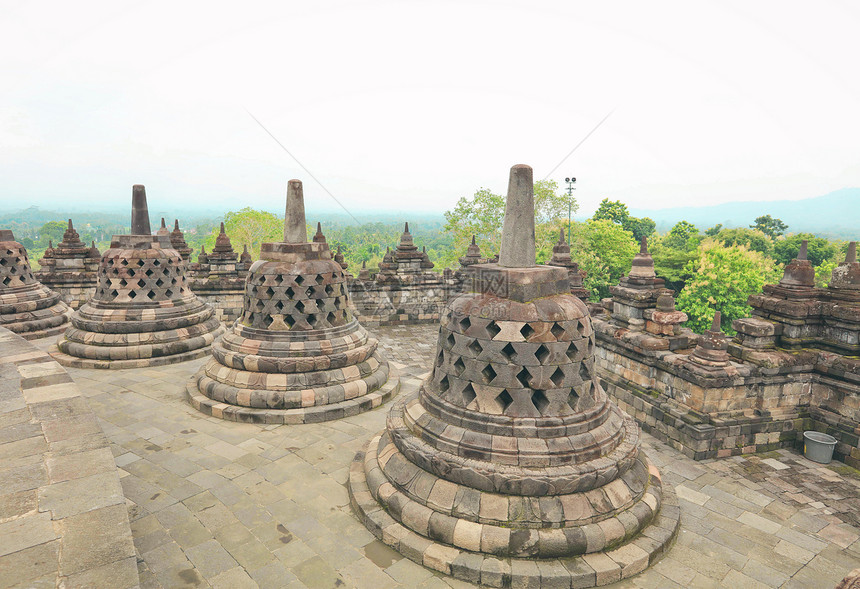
570,189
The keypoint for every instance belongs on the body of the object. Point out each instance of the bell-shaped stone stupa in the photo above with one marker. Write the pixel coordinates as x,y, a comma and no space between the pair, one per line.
296,354
142,313
27,307
509,466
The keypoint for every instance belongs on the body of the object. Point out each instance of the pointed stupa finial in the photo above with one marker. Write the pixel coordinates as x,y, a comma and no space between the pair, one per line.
561,236
163,224
50,244
518,230
851,254
203,249
139,211
295,227
319,237
176,224
717,323
643,245
473,239
406,229
801,255
245,250
71,228
223,232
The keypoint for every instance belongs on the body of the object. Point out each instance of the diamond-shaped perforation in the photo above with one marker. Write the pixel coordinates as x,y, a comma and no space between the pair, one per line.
540,401
493,329
468,394
508,351
443,384
542,353
465,323
557,377
557,330
488,373
504,400
526,331
476,348
459,367
524,377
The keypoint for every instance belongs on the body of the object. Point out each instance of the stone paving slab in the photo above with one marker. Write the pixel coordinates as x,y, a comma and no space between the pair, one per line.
63,516
223,504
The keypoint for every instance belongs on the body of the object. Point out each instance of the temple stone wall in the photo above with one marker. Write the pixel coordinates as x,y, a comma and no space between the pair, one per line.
791,367
404,290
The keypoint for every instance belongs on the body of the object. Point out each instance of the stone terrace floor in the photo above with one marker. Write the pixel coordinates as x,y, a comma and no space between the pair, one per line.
221,504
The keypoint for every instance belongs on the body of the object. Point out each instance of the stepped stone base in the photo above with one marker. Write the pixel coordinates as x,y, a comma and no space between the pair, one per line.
42,333
310,414
586,570
75,362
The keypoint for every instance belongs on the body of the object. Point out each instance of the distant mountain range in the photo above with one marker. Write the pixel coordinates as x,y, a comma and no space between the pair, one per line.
834,215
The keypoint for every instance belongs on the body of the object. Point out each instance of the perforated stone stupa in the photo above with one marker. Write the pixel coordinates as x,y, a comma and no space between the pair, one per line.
71,268
27,307
142,313
509,466
296,354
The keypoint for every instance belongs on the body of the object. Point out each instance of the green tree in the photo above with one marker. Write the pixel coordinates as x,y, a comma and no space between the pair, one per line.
605,251
640,227
769,226
52,230
722,279
713,231
611,210
753,239
250,227
482,215
681,234
617,212
817,251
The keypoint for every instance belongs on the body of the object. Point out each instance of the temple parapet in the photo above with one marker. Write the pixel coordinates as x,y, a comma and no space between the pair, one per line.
404,290
791,367
218,278
71,268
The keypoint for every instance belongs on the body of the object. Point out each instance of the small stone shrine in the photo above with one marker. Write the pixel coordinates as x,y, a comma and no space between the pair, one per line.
404,290
561,257
71,268
510,467
27,307
177,241
142,313
296,354
218,278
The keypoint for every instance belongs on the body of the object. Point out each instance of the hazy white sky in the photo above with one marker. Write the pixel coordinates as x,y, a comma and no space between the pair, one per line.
410,105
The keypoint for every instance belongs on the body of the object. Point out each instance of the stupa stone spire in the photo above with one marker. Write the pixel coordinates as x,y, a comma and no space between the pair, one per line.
139,211
295,228
518,229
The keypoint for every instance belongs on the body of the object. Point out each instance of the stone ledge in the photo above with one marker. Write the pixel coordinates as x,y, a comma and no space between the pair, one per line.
314,414
64,521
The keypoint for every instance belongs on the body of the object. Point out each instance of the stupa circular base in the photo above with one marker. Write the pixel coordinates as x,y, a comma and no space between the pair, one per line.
42,333
311,414
74,362
587,570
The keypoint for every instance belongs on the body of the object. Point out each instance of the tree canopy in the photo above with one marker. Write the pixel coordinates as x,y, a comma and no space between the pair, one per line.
769,226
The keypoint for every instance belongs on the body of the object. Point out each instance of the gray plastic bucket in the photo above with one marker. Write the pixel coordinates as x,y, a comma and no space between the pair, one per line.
818,447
